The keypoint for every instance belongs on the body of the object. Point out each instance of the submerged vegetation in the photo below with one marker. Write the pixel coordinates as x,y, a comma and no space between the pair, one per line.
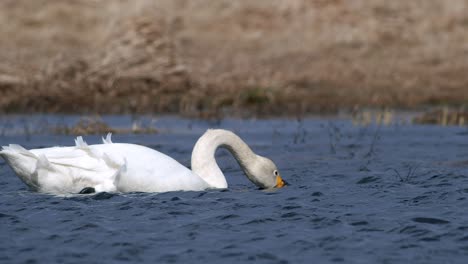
95,125
84,125
231,57
444,116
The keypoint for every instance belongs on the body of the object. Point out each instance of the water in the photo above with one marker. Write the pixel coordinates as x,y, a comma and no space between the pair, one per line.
357,194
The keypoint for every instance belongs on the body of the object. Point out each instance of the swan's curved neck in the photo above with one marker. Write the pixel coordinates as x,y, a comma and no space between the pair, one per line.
203,156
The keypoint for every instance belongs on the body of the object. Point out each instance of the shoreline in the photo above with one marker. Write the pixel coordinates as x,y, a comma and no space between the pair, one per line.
251,58
76,124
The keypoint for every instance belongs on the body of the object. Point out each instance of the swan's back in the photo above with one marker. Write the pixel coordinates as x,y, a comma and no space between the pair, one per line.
148,170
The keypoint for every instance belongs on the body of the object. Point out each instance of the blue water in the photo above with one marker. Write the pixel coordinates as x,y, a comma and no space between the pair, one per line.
357,194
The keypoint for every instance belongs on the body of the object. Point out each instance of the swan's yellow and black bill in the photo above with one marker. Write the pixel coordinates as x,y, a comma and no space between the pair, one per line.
280,183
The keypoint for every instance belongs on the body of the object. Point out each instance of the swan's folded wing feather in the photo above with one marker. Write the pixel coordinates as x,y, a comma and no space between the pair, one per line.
74,168
43,162
80,143
70,157
108,139
48,178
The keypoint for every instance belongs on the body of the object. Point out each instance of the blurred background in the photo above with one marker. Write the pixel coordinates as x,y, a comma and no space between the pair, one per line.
216,58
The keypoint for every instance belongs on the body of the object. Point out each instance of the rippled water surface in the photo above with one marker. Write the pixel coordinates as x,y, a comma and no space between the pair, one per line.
357,194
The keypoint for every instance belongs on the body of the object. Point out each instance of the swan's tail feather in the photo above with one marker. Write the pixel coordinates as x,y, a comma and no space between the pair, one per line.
14,148
108,139
22,161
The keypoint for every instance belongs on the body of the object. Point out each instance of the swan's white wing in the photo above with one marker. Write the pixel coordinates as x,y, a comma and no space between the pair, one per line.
106,167
63,169
70,169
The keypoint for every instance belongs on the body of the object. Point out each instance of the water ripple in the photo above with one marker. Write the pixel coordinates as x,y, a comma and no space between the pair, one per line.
339,208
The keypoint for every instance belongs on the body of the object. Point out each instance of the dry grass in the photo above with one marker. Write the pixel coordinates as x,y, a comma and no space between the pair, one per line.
444,116
210,58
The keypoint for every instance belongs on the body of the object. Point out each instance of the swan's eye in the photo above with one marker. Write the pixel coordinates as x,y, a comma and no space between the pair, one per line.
276,173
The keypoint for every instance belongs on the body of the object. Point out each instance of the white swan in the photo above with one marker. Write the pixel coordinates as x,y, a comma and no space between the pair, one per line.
119,167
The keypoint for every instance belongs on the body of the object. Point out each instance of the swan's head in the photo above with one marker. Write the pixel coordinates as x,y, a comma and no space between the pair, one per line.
265,174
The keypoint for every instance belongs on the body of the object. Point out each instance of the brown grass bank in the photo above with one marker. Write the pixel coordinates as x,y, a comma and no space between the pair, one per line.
210,58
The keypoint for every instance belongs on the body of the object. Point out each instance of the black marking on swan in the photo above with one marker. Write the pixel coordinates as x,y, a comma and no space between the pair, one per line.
87,190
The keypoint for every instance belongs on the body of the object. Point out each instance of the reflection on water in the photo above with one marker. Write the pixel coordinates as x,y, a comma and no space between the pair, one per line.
357,194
